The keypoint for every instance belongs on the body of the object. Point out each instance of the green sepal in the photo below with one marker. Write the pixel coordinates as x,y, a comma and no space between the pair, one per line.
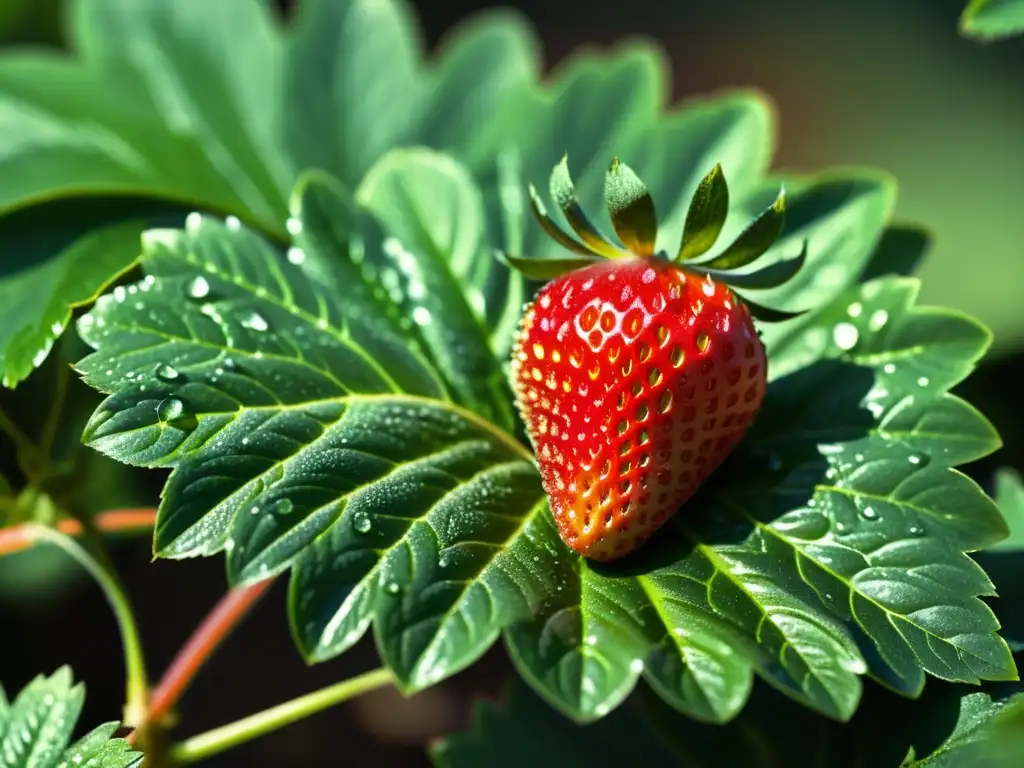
706,215
768,314
564,193
545,269
631,208
554,231
755,239
769,277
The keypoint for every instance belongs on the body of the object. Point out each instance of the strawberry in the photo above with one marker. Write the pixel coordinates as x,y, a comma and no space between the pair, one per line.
636,375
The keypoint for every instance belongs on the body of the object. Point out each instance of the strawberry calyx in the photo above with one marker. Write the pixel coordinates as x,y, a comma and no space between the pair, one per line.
632,212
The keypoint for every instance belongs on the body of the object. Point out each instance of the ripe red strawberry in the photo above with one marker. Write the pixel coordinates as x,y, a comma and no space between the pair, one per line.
636,376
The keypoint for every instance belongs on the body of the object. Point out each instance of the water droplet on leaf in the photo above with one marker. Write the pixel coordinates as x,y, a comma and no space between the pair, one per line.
845,335
199,288
170,409
166,372
254,321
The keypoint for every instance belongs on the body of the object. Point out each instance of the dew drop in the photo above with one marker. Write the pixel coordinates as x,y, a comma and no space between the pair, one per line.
169,409
362,524
855,309
254,321
393,588
294,226
296,255
869,513
283,507
923,381
167,372
845,335
421,316
916,530
233,223
878,319
914,459
889,368
199,288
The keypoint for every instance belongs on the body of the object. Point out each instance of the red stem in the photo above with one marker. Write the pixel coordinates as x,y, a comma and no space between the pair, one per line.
19,537
205,639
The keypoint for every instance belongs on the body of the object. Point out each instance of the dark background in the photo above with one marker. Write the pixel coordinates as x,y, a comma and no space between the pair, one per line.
871,82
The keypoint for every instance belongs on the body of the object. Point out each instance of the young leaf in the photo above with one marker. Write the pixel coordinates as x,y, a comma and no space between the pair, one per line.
989,20
631,208
705,216
755,240
564,193
36,727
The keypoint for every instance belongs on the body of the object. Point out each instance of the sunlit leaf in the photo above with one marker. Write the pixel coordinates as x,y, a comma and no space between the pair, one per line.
310,424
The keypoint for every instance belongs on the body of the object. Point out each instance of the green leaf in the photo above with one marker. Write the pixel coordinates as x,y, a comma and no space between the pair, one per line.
631,208
989,20
706,215
755,240
986,734
949,726
60,255
1003,559
309,426
215,108
39,293
219,134
547,269
564,193
1010,499
36,727
435,217
349,65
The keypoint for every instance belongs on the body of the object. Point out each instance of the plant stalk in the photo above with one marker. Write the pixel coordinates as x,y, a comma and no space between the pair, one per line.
23,536
206,638
134,662
231,735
